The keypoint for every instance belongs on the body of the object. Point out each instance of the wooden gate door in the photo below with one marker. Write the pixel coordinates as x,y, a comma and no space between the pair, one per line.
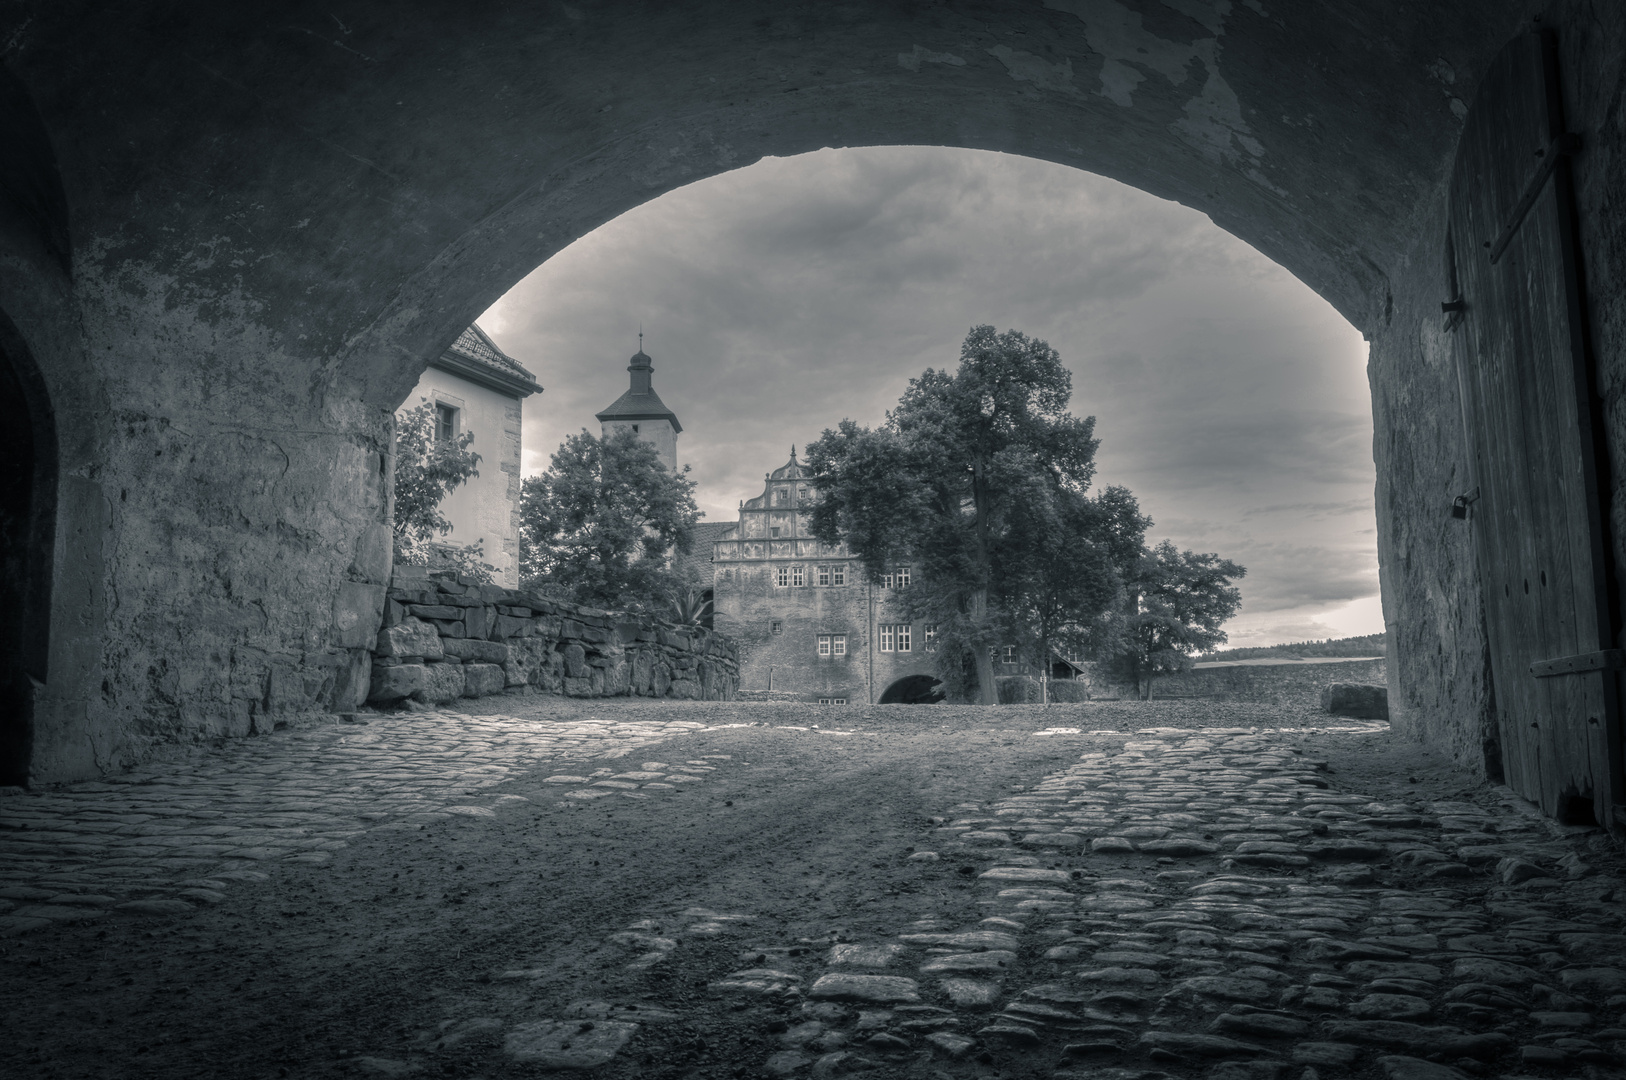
1520,345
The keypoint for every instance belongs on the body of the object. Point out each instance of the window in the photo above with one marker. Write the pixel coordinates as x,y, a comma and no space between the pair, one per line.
781,576
832,701
886,580
798,577
776,627
824,644
635,429
903,577
445,422
903,637
773,530
824,575
1010,654
838,575
931,637
895,637
886,637
838,644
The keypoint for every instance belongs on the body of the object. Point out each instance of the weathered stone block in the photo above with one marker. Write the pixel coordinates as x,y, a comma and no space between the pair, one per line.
643,672
375,551
443,683
1361,701
575,687
575,661
394,612
661,680
687,689
508,626
435,611
478,620
391,684
485,652
482,679
449,628
355,680
410,637
616,682
358,608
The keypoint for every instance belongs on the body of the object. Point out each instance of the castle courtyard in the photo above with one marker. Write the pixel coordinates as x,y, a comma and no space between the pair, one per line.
708,889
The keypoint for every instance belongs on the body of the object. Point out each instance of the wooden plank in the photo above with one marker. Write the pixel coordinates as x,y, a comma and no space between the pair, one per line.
1524,371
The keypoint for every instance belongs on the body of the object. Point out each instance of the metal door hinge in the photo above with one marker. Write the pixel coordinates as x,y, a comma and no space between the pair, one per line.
1602,660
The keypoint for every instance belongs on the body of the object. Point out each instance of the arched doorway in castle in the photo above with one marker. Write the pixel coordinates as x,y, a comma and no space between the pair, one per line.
913,690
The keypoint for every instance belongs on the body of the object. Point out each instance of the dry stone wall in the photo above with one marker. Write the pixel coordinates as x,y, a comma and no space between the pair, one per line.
445,637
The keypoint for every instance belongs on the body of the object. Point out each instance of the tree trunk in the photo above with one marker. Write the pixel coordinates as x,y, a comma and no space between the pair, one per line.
1146,687
987,689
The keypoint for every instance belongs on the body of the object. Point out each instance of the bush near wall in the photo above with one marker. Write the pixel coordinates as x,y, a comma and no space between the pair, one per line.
445,636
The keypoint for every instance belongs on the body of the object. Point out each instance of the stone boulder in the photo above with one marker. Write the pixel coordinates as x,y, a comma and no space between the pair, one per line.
410,637
482,679
443,683
1359,701
391,684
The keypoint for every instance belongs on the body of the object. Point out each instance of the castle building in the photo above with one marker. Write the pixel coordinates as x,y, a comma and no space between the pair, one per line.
805,618
642,410
476,387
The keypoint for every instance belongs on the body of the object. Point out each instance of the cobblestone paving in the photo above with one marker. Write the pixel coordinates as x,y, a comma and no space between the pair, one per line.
166,840
1248,922
1198,903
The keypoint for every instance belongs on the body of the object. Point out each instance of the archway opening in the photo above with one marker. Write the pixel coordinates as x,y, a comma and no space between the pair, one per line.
913,690
27,486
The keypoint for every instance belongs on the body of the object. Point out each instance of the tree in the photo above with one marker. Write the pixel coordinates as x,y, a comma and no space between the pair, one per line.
1174,606
426,471
603,523
963,464
1069,557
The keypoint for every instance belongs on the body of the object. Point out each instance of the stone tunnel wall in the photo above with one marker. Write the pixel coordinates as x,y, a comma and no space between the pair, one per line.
445,638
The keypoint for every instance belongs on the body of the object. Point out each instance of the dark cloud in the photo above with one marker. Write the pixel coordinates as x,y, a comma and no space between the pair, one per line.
781,298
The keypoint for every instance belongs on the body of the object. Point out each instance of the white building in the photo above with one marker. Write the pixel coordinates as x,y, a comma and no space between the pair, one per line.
477,387
642,410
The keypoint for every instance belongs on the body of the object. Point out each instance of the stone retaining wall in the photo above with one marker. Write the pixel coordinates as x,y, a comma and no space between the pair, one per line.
444,638
1268,684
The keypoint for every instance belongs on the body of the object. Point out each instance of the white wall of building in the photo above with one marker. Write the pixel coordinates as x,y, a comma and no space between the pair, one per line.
658,433
486,507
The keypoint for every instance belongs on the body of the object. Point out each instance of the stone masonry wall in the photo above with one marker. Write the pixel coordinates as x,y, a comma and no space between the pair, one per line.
1267,684
445,637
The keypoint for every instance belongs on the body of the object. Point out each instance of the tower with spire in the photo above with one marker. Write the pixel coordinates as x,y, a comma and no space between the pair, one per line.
642,410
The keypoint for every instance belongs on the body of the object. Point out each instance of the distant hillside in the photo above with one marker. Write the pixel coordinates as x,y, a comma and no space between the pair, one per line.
1370,645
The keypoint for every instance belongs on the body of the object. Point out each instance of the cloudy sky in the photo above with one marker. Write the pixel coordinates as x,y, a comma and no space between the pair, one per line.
780,298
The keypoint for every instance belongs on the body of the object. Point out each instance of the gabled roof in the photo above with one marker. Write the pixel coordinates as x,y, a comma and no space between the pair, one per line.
476,357
631,406
699,557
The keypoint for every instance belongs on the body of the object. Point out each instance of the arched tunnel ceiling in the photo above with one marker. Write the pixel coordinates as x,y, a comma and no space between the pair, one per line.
366,177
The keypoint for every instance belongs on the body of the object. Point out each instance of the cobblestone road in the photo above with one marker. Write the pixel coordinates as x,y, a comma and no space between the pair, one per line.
1197,903
164,840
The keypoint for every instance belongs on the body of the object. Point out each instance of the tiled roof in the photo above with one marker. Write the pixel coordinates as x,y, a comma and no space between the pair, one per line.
699,559
631,406
474,352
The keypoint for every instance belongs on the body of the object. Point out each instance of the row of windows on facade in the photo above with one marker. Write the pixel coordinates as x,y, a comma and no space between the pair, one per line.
890,637
795,577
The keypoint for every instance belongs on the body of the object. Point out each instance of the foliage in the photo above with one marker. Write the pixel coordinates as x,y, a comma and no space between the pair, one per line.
976,477
1365,645
426,471
1175,603
602,525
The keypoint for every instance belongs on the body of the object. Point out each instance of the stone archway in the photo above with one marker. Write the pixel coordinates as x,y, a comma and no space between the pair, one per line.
276,221
913,690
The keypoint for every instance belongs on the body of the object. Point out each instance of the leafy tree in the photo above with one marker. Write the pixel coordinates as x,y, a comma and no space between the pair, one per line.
1174,606
426,471
600,527
1068,556
964,464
